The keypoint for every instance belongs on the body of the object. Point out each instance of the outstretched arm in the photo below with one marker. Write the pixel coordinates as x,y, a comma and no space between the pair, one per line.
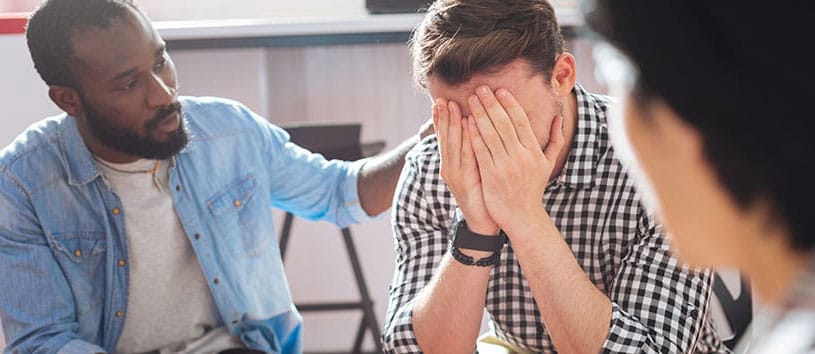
379,175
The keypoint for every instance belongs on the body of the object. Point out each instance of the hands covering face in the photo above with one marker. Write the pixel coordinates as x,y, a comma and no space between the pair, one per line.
491,160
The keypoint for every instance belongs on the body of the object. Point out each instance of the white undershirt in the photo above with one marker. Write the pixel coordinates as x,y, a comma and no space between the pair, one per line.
169,308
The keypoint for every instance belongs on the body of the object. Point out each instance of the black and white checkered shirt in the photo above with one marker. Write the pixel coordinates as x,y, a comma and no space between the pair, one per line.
659,306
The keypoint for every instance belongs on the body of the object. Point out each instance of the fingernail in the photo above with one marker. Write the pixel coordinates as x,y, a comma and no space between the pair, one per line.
483,90
502,93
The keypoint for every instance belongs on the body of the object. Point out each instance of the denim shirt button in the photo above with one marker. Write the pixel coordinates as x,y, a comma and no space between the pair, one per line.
119,314
116,211
77,253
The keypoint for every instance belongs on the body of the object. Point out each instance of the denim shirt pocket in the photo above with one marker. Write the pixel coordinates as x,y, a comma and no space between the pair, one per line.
234,197
238,219
79,248
82,257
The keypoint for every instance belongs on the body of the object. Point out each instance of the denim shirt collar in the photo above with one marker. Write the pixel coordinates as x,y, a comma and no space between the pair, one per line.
78,160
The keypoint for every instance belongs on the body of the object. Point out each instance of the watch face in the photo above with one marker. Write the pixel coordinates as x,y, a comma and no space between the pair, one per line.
464,238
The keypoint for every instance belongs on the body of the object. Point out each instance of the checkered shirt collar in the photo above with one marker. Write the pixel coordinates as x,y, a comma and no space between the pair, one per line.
587,147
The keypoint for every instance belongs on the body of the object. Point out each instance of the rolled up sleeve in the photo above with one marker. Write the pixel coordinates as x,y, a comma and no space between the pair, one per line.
658,304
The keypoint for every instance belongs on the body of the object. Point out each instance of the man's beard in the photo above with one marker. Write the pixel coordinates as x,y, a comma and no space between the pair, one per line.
130,142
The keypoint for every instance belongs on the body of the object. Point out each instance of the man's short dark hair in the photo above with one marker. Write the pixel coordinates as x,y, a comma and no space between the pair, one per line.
742,75
54,24
459,38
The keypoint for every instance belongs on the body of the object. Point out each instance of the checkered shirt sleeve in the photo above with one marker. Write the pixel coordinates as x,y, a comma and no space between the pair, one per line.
421,225
658,304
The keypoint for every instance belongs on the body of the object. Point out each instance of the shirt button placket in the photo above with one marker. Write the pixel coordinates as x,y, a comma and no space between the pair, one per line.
121,263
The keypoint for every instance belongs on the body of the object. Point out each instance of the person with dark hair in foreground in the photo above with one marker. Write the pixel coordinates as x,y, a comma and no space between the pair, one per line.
522,155
139,220
717,118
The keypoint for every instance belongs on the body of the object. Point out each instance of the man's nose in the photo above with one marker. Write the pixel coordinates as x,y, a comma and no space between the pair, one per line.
160,93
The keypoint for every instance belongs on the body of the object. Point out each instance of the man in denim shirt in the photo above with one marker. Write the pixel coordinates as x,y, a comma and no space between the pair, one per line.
139,221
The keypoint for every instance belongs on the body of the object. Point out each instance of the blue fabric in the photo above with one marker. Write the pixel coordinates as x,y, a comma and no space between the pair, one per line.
60,238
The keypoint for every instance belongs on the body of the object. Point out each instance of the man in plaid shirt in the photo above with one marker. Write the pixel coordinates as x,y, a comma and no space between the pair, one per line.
586,270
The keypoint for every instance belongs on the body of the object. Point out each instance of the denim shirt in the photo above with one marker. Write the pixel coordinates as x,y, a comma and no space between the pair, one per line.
62,233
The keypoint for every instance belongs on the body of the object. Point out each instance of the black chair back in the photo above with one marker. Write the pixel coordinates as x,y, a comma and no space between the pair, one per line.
334,141
738,310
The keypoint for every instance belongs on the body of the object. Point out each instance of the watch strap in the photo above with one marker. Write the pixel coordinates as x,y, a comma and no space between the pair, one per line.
464,259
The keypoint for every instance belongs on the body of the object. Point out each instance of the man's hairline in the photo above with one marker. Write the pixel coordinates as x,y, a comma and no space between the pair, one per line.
495,70
73,60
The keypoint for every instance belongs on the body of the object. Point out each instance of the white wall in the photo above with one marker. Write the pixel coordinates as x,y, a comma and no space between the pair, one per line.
212,9
17,5
221,9
23,96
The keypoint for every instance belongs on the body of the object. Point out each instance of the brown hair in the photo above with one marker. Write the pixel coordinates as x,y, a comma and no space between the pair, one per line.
459,38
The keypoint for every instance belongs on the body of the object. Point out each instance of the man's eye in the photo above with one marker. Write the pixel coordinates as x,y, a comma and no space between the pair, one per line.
130,85
160,65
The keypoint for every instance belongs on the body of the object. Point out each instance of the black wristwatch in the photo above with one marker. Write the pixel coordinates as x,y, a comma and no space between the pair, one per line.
465,238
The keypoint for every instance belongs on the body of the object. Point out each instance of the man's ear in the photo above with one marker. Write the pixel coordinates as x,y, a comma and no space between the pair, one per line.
564,74
67,99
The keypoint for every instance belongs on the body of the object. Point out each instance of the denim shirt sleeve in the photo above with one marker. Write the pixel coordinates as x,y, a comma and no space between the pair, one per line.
36,305
307,184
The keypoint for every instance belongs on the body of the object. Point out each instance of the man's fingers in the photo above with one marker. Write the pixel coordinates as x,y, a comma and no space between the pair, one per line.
480,150
468,162
440,125
454,133
556,139
440,119
520,120
498,116
486,131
